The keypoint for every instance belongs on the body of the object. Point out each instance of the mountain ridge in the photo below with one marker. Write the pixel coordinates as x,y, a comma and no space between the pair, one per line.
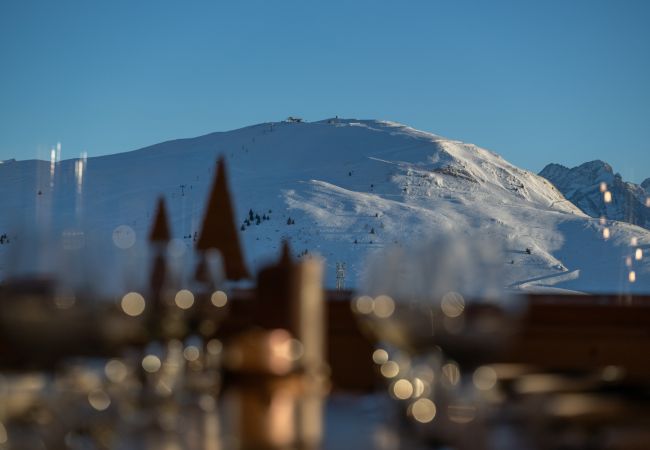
343,188
586,184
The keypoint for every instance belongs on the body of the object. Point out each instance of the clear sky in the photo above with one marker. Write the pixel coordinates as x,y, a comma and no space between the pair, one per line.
536,81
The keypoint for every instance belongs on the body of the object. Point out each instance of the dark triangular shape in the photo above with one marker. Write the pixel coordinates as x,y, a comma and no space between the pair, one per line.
219,231
160,229
275,294
285,255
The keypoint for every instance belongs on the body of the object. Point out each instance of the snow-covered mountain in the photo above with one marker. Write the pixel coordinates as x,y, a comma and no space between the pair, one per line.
586,186
343,188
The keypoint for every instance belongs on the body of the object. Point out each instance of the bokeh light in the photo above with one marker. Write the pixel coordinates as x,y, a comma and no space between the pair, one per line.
613,373
133,304
402,389
184,299
451,373
390,369
419,387
484,378
380,356
423,410
452,304
151,363
99,400
219,299
384,306
461,414
124,237
207,403
191,353
364,304
214,346
116,371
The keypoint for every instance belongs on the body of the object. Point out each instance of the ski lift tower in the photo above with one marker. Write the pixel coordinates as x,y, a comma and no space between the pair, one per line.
340,276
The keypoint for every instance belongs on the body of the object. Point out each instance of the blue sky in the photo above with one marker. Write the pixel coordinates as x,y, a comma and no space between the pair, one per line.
536,81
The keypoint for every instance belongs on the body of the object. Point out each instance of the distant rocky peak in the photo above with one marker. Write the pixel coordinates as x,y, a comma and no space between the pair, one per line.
554,170
596,164
555,166
596,169
581,185
645,184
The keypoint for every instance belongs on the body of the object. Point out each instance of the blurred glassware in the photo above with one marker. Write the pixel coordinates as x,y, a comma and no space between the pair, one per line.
440,311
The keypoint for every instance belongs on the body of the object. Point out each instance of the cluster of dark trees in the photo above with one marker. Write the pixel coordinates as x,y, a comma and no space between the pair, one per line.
291,221
255,218
4,239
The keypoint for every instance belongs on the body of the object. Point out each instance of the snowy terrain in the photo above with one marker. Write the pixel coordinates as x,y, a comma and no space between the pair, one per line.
585,186
347,187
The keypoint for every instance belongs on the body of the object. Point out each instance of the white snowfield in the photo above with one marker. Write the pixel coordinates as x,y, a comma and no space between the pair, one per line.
352,187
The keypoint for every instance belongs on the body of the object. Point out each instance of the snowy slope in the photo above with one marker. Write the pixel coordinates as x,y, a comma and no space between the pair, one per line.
582,185
352,187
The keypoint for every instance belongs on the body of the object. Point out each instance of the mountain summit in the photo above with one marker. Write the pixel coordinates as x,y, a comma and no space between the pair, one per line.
342,188
586,184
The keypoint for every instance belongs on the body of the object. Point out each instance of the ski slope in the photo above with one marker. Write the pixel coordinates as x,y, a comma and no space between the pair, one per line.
351,187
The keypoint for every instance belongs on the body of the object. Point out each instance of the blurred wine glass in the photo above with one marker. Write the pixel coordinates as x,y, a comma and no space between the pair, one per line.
440,312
